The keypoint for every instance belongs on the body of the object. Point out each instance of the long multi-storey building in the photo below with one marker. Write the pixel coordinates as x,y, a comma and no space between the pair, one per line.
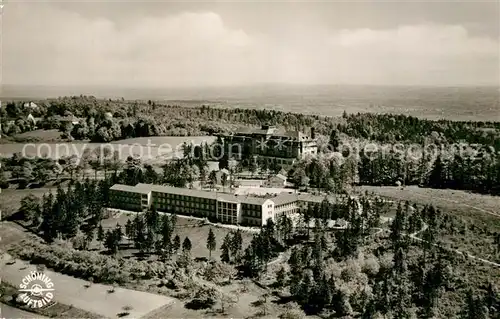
222,207
134,198
269,144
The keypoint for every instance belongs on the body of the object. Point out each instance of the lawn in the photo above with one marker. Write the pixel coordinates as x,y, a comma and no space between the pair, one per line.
186,227
12,233
39,135
10,199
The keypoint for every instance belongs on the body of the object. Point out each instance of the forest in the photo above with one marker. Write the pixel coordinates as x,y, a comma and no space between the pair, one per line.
107,120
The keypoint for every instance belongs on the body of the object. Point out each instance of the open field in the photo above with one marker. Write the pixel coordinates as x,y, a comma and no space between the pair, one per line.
478,214
55,310
39,135
243,308
10,199
12,233
194,229
471,206
96,298
148,148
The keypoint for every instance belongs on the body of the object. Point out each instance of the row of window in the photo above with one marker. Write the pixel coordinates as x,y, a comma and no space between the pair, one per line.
184,197
184,204
124,194
125,200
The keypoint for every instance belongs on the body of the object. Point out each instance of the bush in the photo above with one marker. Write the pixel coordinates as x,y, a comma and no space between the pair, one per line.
88,264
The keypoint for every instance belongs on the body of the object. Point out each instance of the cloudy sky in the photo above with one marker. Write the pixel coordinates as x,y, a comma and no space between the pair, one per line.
170,44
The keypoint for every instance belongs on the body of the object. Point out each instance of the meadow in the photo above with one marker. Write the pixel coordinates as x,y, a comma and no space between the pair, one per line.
195,229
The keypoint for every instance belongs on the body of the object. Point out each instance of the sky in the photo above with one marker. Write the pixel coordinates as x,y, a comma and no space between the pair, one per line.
189,44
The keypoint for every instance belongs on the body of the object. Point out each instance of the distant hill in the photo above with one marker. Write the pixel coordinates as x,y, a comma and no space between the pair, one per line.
456,103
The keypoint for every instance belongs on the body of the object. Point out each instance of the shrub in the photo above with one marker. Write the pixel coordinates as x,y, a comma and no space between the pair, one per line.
88,264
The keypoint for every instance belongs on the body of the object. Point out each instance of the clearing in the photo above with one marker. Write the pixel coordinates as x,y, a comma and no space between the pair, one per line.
95,298
11,198
466,204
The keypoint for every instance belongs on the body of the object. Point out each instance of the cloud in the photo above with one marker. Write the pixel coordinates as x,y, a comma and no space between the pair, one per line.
44,44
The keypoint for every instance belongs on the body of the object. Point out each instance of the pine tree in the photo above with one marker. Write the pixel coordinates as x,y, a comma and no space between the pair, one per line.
306,285
139,236
186,245
334,141
166,233
437,178
100,233
281,277
473,307
111,242
153,219
236,245
176,245
118,233
129,229
225,256
211,243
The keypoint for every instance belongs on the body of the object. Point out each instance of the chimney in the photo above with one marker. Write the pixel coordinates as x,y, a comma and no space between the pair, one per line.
313,133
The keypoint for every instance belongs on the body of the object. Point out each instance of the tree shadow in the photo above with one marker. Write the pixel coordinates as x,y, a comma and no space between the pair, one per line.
198,304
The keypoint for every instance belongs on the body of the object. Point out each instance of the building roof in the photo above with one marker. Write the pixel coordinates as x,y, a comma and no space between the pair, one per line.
273,132
143,188
245,199
128,188
184,191
280,199
285,199
30,104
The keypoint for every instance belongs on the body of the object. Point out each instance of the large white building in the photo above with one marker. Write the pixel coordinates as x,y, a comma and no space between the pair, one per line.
221,207
269,144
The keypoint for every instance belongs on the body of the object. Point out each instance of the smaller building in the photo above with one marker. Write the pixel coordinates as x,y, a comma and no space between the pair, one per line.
30,105
278,180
